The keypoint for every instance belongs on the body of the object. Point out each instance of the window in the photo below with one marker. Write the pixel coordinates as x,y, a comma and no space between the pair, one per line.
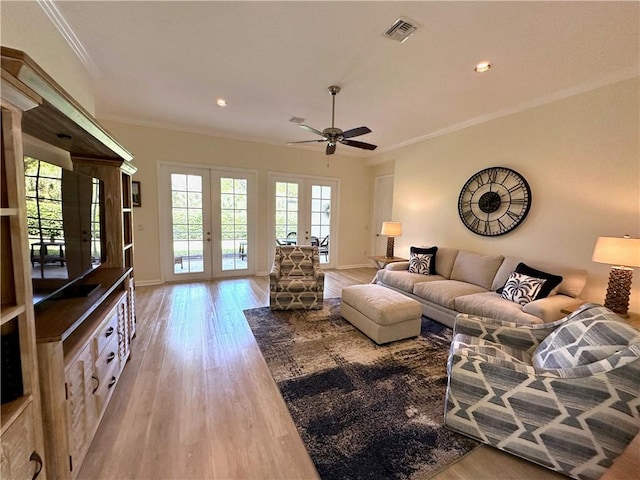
43,183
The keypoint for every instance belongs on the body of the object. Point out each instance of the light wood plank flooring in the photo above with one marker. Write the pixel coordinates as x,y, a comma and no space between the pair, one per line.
196,400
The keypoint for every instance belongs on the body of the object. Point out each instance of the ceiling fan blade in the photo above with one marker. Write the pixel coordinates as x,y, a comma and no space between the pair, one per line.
354,143
356,132
307,141
331,148
311,129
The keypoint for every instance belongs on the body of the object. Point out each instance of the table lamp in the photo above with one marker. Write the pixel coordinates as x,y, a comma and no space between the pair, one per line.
622,253
391,230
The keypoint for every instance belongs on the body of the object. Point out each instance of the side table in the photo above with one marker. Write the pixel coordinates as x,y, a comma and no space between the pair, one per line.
633,318
382,261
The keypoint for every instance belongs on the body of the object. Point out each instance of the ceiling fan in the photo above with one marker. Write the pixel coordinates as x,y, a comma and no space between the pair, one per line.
333,135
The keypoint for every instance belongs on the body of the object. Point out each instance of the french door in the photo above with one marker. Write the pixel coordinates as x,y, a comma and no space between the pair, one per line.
207,217
303,212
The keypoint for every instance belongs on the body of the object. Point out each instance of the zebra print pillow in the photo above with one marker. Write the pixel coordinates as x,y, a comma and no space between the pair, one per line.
420,263
521,288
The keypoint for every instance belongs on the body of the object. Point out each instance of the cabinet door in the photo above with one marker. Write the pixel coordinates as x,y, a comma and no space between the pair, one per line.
19,457
81,404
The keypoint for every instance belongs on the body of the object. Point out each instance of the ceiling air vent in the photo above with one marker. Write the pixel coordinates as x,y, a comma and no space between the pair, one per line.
402,29
296,119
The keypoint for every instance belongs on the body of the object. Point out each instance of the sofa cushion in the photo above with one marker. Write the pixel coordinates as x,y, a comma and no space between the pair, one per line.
403,280
521,288
426,251
444,292
420,263
476,268
492,305
446,259
573,279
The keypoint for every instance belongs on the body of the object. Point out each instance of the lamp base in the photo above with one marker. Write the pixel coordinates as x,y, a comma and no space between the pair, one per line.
389,253
619,290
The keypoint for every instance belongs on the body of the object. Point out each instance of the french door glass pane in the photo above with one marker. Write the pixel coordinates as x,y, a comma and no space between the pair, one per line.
233,223
187,220
321,219
286,220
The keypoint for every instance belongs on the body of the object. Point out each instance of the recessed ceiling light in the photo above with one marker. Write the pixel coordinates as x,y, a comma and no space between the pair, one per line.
482,67
221,102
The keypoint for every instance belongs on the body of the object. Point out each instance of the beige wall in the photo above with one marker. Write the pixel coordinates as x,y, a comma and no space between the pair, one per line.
581,157
153,145
25,26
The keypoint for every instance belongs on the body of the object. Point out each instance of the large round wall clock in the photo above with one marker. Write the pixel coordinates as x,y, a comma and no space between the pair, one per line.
494,201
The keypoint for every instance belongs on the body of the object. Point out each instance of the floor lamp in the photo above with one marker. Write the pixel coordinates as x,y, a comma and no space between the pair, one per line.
391,230
622,254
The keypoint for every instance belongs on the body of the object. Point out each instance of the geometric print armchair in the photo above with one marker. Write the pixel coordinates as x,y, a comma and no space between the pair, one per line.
565,395
296,280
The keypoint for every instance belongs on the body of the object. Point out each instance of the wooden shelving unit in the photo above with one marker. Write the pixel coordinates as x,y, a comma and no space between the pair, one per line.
71,350
21,420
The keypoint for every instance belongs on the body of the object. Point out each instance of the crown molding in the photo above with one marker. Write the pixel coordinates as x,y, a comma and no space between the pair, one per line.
585,87
51,10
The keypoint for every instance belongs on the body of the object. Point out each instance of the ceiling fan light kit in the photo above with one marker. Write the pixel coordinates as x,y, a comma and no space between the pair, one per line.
333,135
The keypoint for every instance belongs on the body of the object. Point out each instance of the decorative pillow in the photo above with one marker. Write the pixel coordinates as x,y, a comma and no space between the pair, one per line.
549,287
420,263
521,288
427,251
552,281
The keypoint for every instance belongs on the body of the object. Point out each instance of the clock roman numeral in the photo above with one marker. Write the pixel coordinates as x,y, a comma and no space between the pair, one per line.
467,214
513,215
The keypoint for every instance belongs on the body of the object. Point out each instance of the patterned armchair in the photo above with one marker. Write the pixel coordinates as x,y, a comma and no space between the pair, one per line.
296,280
565,395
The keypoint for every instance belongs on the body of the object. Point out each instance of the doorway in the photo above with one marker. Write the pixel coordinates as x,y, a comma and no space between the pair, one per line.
207,222
303,212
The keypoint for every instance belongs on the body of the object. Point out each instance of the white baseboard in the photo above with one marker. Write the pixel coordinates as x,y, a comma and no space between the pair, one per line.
345,267
148,283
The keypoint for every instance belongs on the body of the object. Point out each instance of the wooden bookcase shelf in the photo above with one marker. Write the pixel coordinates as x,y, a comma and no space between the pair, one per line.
71,350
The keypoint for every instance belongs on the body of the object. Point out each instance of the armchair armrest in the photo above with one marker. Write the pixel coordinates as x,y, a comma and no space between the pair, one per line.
274,274
523,337
499,363
318,274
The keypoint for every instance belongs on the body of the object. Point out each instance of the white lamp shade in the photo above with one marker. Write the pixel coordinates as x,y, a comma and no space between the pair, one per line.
391,229
617,251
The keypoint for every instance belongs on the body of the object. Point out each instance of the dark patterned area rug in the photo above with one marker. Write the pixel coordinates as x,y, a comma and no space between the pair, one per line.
363,411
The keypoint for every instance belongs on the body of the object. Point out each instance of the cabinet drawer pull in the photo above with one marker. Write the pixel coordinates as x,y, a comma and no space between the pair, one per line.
112,382
110,357
109,332
93,377
36,458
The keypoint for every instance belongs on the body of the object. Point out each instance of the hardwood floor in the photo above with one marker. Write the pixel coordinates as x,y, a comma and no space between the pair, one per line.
197,400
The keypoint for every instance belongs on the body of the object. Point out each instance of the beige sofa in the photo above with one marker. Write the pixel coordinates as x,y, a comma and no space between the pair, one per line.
466,282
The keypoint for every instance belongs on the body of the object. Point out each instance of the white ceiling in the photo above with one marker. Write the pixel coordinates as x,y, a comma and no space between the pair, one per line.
165,63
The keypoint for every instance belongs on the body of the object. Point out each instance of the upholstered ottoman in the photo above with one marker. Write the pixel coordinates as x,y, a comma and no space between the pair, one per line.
380,313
